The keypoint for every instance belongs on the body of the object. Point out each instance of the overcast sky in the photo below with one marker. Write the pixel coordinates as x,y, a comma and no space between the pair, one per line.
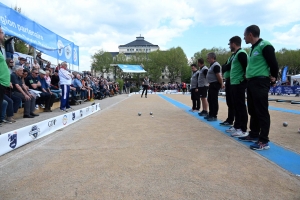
190,24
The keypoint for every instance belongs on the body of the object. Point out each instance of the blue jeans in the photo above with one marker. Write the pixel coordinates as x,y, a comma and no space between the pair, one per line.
10,106
56,93
4,106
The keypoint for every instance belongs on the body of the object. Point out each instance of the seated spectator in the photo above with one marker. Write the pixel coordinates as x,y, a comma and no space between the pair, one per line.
35,65
86,84
79,87
46,94
10,63
21,61
33,83
20,91
56,92
27,66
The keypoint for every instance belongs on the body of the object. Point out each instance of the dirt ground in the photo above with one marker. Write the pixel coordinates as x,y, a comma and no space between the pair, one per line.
284,136
116,154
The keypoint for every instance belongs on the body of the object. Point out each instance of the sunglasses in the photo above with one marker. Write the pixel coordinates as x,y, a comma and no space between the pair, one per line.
11,62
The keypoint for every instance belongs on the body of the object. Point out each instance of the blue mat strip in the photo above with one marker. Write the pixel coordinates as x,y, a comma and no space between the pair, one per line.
285,158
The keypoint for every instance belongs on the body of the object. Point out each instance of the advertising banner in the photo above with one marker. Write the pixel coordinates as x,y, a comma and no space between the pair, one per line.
14,139
18,25
285,90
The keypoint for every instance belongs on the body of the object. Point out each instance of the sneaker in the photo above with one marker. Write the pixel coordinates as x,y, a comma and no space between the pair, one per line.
37,107
203,113
226,123
212,119
42,105
259,146
191,110
6,122
9,120
231,130
64,110
239,133
69,108
248,139
206,117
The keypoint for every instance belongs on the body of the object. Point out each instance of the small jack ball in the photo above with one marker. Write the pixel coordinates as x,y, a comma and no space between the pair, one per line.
285,124
139,114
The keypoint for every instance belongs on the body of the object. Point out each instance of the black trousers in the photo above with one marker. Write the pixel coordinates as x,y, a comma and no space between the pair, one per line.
213,104
257,99
145,88
47,98
238,96
2,92
29,105
195,99
229,102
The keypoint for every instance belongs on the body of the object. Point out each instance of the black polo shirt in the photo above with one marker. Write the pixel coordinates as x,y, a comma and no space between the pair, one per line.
15,79
30,80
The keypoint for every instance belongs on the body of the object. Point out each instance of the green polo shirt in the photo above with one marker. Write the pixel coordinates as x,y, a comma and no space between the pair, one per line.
4,72
257,65
237,72
227,73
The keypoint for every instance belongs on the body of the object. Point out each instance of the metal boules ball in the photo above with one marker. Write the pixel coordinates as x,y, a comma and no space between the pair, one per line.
139,114
285,124
151,113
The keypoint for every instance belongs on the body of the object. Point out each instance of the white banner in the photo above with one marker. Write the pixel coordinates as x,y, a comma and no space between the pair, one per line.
14,139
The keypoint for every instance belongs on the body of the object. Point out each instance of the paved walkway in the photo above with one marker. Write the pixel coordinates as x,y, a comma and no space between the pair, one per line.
115,154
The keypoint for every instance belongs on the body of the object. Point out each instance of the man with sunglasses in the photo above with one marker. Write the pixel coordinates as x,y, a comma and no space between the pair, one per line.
4,73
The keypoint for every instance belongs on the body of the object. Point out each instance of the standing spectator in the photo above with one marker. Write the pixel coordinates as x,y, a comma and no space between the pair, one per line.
4,73
20,91
262,69
65,78
183,87
214,78
9,47
40,60
127,85
194,89
145,86
203,86
238,87
46,94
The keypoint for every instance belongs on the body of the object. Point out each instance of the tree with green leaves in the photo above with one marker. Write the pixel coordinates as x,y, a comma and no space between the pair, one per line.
176,60
101,61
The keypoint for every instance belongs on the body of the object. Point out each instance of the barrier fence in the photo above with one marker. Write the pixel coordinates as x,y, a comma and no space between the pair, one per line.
17,138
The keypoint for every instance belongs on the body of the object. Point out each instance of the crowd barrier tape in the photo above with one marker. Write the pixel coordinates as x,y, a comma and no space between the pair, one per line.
17,138
285,89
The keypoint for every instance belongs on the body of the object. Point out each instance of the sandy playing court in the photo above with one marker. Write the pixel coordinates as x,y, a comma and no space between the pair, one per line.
115,154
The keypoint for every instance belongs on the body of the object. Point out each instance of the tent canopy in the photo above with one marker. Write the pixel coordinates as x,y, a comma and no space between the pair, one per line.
294,77
130,68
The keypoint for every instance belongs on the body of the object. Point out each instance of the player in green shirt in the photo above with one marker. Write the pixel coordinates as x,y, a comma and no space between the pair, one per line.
4,74
261,73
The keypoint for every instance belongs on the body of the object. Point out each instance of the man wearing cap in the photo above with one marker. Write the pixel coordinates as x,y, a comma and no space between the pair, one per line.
65,79
22,61
46,94
4,73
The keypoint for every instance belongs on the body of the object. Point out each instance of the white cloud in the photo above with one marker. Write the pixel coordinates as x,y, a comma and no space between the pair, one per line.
106,24
291,37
